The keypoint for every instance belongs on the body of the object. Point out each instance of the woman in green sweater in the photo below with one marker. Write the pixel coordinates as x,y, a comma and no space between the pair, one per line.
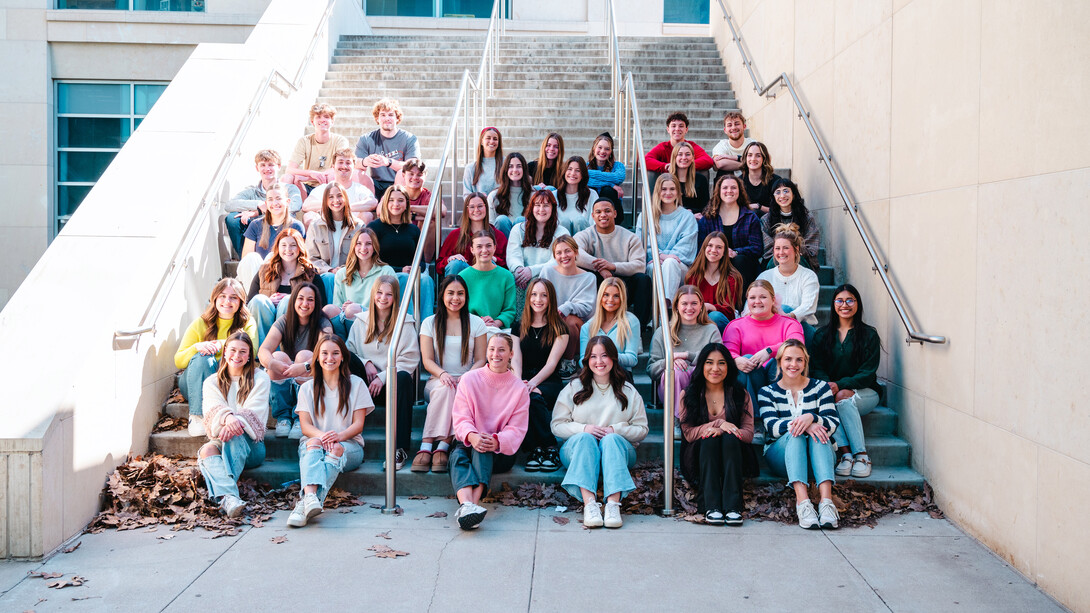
846,354
690,330
491,288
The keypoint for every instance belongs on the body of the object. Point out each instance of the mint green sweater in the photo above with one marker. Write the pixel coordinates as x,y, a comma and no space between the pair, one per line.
491,294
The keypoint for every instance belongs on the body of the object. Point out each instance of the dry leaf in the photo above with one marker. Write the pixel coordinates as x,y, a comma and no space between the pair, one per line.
166,537
73,547
276,540
563,521
75,581
418,497
382,551
43,575
384,535
167,423
345,510
375,506
437,514
84,598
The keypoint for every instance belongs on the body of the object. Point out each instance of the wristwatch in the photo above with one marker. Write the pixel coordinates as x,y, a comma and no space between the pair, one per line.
306,365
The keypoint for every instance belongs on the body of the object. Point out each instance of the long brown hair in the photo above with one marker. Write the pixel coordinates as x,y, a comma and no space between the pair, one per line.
386,332
480,154
246,381
344,377
263,240
274,268
441,320
210,317
291,318
541,172
675,319
716,201
592,160
554,326
529,234
724,294
465,238
352,264
349,222
582,188
617,376
766,167
504,185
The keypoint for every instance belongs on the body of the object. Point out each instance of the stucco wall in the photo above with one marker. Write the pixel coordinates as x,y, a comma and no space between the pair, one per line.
960,128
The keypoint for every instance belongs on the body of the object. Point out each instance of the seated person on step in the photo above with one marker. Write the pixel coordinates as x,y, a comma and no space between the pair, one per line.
657,160
352,282
576,198
529,250
758,177
286,268
797,287
609,250
576,292
611,318
249,204
261,233
675,230
360,195
414,173
482,175
727,153
754,339
456,252
313,153
689,330
386,150
491,287
606,174
718,280
789,207
397,242
330,236
509,203
548,169
693,185
728,212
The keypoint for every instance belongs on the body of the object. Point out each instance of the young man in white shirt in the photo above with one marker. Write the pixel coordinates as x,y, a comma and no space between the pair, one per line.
727,153
361,196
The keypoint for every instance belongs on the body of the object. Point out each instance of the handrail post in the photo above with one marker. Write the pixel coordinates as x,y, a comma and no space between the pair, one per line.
390,506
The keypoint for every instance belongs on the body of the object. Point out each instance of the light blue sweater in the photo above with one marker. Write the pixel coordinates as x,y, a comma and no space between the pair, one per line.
629,354
678,235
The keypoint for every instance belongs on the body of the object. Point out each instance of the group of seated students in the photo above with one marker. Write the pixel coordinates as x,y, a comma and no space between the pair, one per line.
534,339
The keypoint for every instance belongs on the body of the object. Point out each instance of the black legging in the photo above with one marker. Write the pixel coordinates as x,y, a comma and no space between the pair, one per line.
404,415
539,430
720,462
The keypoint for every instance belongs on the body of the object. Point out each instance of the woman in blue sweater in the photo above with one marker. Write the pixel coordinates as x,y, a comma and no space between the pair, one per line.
675,230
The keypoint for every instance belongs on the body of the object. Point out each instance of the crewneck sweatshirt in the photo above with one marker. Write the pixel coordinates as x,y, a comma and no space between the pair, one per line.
486,183
491,293
677,235
747,336
515,198
195,334
601,409
575,294
622,247
492,403
799,291
693,338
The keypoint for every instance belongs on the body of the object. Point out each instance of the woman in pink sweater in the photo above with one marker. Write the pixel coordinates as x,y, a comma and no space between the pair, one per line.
754,339
490,415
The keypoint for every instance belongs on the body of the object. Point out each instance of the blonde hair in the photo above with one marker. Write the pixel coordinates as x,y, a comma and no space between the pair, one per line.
656,203
384,206
387,332
322,109
690,172
267,155
789,232
675,321
352,264
599,318
796,343
567,240
766,286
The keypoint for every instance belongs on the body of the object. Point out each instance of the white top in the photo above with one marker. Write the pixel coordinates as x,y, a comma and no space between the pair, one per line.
799,292
255,406
570,217
723,147
535,258
358,194
330,420
601,409
376,352
451,360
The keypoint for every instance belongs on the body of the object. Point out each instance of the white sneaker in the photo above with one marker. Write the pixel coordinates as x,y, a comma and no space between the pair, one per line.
196,426
232,506
844,467
298,516
312,505
829,518
613,515
808,518
592,515
470,515
283,427
861,467
296,431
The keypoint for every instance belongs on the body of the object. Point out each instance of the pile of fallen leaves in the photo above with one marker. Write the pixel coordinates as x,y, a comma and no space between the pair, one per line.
859,504
167,423
156,489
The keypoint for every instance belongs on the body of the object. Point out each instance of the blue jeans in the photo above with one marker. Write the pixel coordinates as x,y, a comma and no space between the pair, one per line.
235,230
342,326
221,472
191,383
427,293
850,432
283,396
719,319
754,380
454,267
585,456
265,314
327,280
807,330
504,223
316,467
795,456
470,468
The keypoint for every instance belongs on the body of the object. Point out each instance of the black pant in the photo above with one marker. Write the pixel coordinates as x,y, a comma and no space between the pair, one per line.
539,431
381,187
720,461
638,287
404,415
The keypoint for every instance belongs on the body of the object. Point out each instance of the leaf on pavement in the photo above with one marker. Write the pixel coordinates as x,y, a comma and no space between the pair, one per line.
73,547
384,535
437,514
75,581
563,521
44,575
276,540
382,551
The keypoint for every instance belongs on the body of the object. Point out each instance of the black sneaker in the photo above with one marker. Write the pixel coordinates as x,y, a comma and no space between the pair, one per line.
400,457
533,465
734,518
713,517
550,460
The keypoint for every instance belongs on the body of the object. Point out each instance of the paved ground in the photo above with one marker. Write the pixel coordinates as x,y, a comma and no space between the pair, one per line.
521,560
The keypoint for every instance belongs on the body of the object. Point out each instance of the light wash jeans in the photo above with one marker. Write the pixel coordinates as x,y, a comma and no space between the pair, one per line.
427,293
754,380
807,330
850,432
504,223
283,396
265,314
454,267
719,319
585,457
221,472
328,279
795,456
316,467
191,383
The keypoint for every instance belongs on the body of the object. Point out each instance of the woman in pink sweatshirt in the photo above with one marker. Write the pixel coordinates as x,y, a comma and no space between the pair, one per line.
490,415
754,339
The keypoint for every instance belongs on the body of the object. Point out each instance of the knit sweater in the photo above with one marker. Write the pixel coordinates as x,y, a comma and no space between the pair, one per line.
799,292
450,247
570,216
693,338
745,429
360,289
253,413
628,353
486,183
492,403
534,257
514,198
840,366
195,334
377,352
600,178
708,291
491,293
777,408
575,294
601,409
747,336
622,247
811,242
658,158
677,235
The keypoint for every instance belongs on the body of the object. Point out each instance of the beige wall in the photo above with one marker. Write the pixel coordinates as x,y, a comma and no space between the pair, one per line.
960,128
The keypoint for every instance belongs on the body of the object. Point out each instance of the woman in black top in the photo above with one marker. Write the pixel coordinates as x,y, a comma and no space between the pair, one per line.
693,184
397,240
542,339
758,176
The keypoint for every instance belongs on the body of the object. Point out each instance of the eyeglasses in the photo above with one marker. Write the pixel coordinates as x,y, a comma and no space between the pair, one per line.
783,191
844,301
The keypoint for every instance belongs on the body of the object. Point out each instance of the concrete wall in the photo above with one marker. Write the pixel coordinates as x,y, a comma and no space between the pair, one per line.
85,401
960,128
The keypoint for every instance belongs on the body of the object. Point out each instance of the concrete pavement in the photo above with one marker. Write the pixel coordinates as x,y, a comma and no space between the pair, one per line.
522,560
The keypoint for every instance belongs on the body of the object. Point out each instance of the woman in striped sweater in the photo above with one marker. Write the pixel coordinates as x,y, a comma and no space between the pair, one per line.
799,419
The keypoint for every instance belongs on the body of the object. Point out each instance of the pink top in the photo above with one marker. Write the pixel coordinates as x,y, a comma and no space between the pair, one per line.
492,403
747,336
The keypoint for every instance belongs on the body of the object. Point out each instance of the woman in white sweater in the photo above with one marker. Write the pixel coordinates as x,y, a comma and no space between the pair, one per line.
600,417
529,247
576,290
690,330
369,343
236,408
796,286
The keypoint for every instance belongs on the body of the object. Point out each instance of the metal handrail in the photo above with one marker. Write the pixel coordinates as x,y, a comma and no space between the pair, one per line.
470,91
625,102
823,155
185,245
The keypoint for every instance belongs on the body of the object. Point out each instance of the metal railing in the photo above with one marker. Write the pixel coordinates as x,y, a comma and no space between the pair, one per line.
471,92
626,121
914,335
185,245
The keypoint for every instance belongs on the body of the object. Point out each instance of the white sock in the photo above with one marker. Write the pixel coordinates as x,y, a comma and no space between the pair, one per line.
425,447
442,446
